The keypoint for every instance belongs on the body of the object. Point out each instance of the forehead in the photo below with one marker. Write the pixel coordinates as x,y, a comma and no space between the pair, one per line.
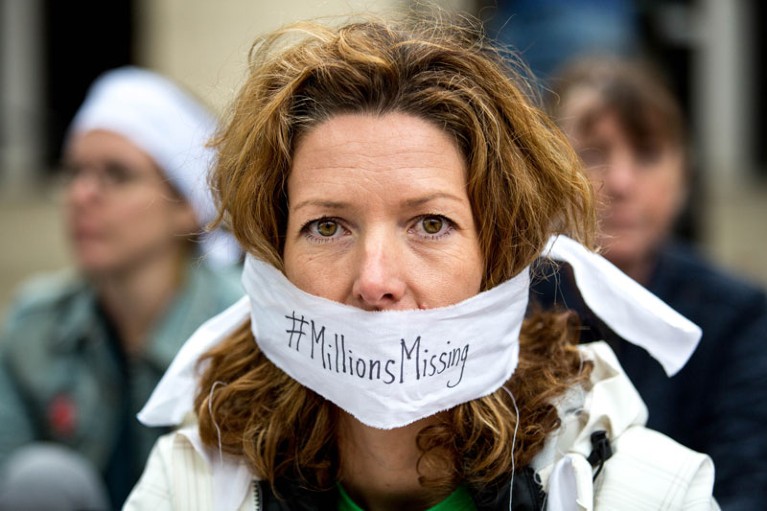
391,130
382,147
586,109
107,151
577,106
104,144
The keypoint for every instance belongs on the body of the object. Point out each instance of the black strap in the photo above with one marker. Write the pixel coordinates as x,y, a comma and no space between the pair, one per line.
600,451
526,495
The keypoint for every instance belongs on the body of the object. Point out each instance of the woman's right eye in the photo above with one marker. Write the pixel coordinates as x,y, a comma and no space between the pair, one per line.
324,229
118,174
592,157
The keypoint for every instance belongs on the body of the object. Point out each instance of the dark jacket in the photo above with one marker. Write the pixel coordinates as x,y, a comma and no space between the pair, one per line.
717,403
64,378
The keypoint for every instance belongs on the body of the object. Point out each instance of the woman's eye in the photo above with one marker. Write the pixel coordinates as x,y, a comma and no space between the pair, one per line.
323,229
592,158
649,155
433,226
327,228
118,174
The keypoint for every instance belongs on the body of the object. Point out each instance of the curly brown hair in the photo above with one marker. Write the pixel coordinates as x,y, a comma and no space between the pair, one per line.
635,91
524,182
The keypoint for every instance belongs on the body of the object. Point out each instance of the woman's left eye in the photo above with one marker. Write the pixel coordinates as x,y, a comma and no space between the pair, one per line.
433,226
324,229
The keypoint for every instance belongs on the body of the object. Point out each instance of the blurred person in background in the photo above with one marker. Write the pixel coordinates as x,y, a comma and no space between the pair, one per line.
630,133
548,33
81,350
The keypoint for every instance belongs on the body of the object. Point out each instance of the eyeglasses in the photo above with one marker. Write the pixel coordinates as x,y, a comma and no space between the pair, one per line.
109,177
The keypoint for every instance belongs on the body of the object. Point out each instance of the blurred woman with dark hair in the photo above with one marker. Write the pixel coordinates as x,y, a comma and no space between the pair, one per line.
630,133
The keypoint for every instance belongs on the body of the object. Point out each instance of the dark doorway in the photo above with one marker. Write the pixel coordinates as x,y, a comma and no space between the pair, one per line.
759,55
83,39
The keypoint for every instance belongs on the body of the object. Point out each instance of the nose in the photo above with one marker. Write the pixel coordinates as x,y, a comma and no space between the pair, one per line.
83,188
619,176
379,282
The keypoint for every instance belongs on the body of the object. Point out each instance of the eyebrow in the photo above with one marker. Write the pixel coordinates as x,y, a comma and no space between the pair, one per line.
411,203
420,201
325,204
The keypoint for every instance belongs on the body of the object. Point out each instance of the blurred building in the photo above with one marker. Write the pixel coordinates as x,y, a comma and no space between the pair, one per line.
51,50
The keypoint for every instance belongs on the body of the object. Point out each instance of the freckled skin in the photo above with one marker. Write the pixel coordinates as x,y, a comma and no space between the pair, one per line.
379,218
386,182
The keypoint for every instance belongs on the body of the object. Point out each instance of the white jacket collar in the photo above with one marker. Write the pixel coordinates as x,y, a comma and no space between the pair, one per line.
612,405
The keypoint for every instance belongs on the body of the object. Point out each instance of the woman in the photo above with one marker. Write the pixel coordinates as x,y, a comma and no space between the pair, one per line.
391,185
629,130
82,351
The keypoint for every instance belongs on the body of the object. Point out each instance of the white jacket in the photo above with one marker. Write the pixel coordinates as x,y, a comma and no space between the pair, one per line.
647,470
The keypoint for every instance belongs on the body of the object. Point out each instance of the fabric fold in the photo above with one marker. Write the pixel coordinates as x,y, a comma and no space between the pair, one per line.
633,312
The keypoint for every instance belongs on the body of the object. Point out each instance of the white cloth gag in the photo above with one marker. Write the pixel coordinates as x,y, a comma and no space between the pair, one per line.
399,363
170,126
388,368
288,322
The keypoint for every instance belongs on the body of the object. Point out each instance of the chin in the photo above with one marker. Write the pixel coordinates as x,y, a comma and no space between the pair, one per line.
94,264
617,246
620,258
629,257
96,270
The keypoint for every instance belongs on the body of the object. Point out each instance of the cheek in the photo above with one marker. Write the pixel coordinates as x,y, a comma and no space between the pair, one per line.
474,274
663,198
331,280
318,274
450,278
292,265
146,218
597,180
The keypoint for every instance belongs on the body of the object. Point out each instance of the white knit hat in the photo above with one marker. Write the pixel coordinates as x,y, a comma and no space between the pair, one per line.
170,126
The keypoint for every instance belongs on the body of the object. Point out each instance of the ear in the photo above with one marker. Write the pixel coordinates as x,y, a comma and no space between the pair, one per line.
185,218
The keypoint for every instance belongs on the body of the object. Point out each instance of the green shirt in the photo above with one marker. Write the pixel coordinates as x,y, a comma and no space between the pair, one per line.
459,500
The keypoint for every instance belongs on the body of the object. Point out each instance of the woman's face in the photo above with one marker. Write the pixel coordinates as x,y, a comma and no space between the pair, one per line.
379,217
121,212
640,189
